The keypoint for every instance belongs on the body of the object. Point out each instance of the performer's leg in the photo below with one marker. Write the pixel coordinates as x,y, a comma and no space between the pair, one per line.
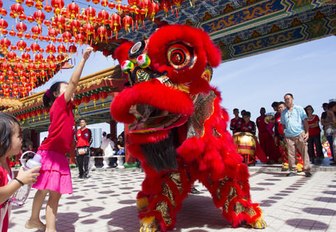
157,211
232,195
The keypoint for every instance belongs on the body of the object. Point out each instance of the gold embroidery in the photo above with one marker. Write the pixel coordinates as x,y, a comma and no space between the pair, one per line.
163,208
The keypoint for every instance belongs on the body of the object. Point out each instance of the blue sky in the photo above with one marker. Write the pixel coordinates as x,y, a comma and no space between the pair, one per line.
307,70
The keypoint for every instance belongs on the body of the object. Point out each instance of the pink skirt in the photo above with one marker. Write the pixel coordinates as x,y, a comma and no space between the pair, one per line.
55,173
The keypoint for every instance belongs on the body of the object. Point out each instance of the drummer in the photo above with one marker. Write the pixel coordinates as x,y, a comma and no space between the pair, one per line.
248,125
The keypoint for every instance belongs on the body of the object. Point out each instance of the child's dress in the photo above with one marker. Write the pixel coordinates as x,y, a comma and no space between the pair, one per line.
5,207
55,172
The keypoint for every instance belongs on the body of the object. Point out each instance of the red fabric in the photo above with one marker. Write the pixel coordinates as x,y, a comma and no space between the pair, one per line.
314,131
83,137
61,127
3,182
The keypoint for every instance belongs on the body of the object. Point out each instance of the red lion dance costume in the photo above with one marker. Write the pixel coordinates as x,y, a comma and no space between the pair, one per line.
177,128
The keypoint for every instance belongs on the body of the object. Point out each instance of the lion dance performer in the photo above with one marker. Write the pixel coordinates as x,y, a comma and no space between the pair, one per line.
177,128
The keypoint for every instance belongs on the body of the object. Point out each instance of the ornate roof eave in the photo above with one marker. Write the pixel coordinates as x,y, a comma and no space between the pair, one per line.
6,103
107,80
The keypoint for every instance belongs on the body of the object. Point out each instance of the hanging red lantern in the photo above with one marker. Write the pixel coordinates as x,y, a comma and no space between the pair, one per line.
52,32
102,33
21,27
19,67
36,30
22,17
51,58
27,36
38,58
111,5
39,17
115,23
61,49
39,5
75,25
128,23
72,49
66,36
35,47
59,21
29,3
1,3
57,5
19,34
16,10
60,57
103,17
48,8
79,38
12,33
25,57
73,10
153,10
104,3
144,5
50,48
47,23
30,18
3,11
2,78
3,24
106,52
95,1
90,13
5,43
11,56
21,45
89,30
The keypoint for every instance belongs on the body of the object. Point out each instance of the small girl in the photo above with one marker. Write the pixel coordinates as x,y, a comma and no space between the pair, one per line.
55,176
10,144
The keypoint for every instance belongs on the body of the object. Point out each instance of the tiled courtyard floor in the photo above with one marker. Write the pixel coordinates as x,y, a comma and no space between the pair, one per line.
106,202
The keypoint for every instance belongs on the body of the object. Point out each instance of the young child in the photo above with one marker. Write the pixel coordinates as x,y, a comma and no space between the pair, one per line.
10,144
55,176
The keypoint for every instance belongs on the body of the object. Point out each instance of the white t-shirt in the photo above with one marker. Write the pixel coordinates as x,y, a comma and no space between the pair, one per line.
107,146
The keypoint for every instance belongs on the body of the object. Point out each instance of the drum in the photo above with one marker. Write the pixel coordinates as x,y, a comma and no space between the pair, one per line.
246,146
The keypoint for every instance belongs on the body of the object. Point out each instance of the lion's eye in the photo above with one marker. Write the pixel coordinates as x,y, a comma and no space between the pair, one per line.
137,49
180,56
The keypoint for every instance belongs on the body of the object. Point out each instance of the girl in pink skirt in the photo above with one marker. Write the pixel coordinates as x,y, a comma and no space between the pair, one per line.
55,176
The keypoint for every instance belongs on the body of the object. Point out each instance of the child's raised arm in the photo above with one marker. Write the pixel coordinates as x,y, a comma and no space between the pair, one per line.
73,82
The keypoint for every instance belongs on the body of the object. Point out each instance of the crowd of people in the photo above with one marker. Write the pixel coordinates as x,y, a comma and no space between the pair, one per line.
291,135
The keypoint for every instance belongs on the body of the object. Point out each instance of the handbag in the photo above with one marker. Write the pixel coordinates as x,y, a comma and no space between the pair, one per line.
82,150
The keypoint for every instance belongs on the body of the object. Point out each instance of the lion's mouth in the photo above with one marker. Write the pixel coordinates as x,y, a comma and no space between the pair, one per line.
151,119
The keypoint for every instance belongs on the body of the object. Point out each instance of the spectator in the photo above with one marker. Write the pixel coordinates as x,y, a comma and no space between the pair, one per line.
294,120
236,122
314,140
327,125
248,125
332,115
107,146
266,137
83,141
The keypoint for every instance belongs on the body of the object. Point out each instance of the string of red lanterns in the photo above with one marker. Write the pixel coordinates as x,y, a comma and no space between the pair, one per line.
67,24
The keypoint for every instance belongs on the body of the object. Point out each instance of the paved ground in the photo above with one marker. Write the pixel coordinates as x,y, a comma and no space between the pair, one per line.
106,202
